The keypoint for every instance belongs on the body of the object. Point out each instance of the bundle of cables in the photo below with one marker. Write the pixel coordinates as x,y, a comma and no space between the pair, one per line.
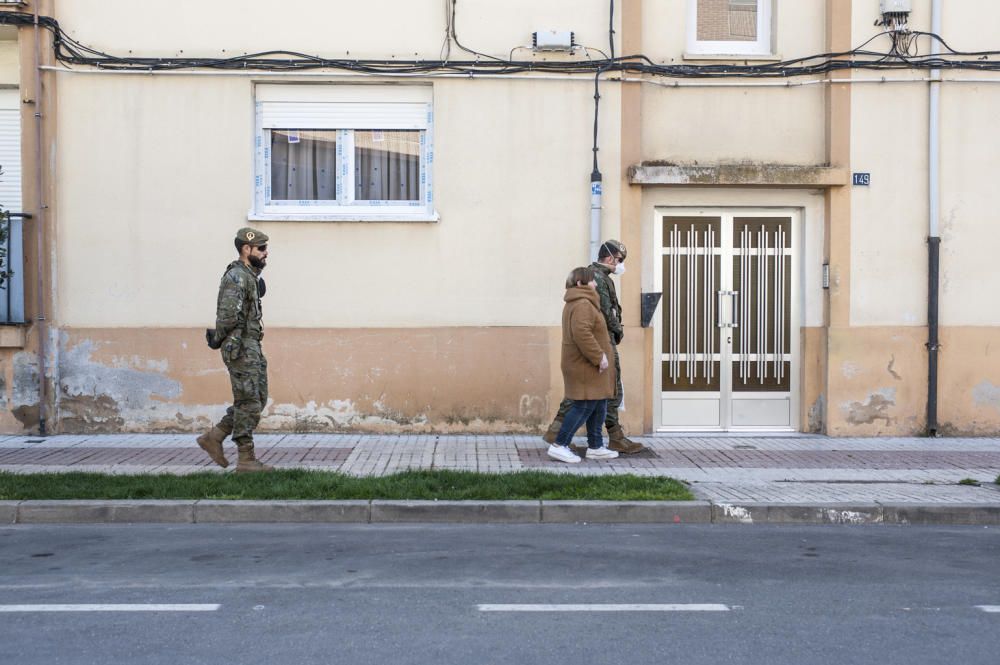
901,55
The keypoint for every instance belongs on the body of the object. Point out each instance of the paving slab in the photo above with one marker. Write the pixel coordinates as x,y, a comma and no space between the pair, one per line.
281,511
739,470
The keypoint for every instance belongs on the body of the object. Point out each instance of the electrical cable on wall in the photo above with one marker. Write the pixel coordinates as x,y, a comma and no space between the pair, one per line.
71,52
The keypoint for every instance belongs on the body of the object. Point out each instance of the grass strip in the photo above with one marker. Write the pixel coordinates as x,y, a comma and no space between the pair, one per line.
327,485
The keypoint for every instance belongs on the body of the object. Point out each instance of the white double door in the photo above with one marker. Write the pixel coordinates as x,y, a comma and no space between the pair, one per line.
727,347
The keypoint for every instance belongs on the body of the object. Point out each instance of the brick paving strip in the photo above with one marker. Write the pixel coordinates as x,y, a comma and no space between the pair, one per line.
745,469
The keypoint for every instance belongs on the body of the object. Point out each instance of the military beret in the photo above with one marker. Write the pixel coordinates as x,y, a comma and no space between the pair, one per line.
251,236
616,247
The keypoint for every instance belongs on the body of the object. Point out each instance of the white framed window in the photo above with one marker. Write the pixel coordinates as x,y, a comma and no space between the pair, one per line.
729,27
331,152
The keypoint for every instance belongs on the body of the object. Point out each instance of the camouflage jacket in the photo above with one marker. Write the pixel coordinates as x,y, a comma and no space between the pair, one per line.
238,310
610,307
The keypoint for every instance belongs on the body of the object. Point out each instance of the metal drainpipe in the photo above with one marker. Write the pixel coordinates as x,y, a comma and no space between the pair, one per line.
933,237
595,213
40,322
596,185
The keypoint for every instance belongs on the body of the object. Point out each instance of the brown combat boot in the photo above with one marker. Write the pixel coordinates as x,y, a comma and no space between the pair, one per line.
248,462
211,443
618,442
553,431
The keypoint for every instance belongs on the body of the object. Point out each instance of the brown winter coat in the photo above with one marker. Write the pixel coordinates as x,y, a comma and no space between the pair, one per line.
584,339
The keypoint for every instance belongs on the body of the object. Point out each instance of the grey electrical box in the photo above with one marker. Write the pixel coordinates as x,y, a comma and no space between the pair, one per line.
895,6
553,40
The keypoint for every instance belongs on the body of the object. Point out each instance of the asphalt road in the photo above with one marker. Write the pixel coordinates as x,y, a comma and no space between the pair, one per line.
361,594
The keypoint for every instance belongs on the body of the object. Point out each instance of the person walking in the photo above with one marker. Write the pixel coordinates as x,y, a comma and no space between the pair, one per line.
610,260
238,333
588,377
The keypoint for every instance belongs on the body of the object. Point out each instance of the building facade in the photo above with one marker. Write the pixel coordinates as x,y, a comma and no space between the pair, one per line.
782,174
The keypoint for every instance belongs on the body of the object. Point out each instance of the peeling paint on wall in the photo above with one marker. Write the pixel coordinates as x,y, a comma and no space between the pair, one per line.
535,408
97,398
987,394
334,415
817,415
876,408
850,369
24,392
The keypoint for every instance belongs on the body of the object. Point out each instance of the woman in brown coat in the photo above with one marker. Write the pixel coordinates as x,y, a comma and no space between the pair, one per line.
588,378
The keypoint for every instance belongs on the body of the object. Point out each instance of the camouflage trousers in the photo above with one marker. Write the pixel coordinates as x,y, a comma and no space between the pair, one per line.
248,376
611,418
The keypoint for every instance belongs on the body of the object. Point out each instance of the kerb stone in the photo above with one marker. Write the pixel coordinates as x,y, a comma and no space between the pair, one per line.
281,511
791,513
741,513
8,512
172,511
626,512
65,512
942,513
472,512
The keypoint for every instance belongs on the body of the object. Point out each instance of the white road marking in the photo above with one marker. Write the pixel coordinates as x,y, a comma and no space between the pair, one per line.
119,607
992,609
605,608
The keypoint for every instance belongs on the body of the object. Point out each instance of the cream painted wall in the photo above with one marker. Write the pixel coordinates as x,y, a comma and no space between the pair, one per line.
373,28
970,116
734,125
156,177
970,215
153,176
889,218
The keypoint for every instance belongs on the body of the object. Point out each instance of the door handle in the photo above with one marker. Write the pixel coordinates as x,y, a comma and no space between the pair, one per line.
731,319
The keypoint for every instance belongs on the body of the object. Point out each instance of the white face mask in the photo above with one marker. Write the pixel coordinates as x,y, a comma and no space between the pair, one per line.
620,269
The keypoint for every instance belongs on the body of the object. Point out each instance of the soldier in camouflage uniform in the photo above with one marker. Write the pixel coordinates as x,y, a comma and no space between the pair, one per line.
238,333
610,260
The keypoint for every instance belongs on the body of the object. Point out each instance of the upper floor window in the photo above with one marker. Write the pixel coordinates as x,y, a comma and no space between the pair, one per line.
343,152
729,27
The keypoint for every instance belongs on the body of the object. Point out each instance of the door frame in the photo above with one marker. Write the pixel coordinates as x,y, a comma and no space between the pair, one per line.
796,309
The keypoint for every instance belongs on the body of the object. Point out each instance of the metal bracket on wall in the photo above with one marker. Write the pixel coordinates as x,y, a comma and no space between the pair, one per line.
649,303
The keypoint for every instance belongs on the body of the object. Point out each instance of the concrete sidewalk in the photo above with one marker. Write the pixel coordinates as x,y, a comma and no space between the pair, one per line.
724,470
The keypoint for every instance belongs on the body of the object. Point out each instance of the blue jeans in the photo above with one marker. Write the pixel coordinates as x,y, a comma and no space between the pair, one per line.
590,411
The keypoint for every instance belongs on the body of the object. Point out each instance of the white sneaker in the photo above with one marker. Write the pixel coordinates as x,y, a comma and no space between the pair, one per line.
564,454
601,453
